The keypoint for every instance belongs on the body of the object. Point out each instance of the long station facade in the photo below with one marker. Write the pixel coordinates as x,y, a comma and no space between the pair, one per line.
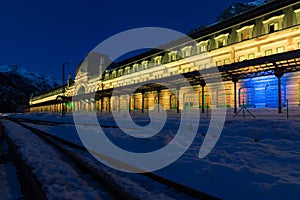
256,54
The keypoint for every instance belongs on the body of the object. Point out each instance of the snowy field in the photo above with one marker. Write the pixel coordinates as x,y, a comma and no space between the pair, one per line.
253,159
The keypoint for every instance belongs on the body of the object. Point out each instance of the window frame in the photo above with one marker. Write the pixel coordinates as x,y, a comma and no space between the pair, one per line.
245,29
222,39
273,20
268,52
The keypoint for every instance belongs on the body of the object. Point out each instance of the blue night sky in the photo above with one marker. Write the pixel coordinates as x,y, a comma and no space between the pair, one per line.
42,35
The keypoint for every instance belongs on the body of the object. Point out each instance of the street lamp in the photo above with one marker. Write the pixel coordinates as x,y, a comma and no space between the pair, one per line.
63,89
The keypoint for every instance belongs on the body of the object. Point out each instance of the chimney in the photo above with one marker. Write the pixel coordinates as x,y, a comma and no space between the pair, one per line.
69,80
101,65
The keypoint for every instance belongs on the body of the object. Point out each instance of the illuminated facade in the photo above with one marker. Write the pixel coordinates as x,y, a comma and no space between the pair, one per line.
257,54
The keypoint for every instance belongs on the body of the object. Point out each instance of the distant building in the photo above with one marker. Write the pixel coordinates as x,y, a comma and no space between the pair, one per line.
257,54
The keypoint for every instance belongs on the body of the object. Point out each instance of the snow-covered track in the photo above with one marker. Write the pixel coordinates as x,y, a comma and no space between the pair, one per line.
54,140
103,182
31,188
43,122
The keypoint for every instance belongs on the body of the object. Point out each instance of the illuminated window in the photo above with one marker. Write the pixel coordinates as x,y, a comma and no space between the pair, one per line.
245,36
226,61
172,55
280,49
106,76
297,18
268,52
120,72
145,64
135,67
241,58
273,24
251,56
219,63
114,74
127,70
221,40
202,46
245,33
273,27
186,51
206,65
222,43
247,97
298,45
157,60
132,70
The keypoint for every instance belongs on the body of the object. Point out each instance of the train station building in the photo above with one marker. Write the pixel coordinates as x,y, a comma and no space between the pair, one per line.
256,54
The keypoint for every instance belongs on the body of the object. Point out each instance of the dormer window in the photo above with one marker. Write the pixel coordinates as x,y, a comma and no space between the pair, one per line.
127,70
273,24
145,64
297,12
114,74
202,46
107,75
273,27
186,51
135,67
245,33
120,72
221,40
172,56
157,60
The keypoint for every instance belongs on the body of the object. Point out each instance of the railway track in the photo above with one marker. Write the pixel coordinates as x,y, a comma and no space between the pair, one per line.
30,186
71,151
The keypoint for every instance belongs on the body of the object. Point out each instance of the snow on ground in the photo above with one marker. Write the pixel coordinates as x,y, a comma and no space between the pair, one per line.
253,159
58,179
142,187
9,185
